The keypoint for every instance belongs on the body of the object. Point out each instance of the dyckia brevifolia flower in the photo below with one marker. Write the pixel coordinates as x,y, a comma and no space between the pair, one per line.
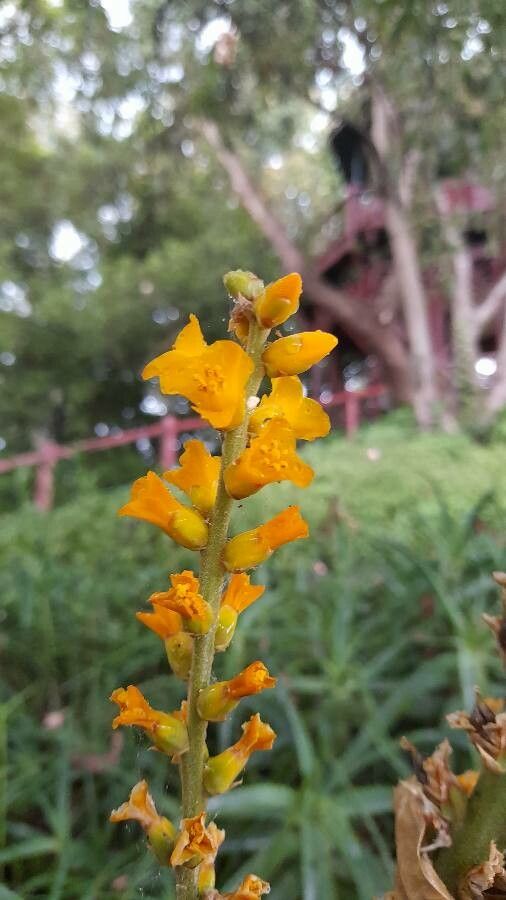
167,730
184,599
294,354
141,808
212,377
221,771
219,699
251,888
286,400
270,457
152,501
197,476
196,842
168,625
278,301
249,549
239,594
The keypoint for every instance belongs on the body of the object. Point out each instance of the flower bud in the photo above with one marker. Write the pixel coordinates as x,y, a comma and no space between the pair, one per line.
253,547
278,301
242,284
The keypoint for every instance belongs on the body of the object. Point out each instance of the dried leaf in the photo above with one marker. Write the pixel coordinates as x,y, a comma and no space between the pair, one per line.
416,877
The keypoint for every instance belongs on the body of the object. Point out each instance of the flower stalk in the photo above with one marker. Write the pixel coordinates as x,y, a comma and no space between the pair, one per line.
197,617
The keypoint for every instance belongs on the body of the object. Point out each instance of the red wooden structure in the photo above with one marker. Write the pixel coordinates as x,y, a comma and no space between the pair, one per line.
167,431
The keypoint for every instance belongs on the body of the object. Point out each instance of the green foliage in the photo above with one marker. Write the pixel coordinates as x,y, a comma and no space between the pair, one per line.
373,625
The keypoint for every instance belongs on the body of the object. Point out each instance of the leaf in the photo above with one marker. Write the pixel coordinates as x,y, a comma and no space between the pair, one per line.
257,801
35,847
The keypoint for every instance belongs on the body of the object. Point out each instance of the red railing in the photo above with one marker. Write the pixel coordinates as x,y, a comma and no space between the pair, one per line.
167,430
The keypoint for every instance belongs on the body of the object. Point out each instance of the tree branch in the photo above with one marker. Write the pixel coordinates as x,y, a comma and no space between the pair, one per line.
492,304
359,321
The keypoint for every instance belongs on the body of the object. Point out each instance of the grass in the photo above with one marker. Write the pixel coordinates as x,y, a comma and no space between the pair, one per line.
373,626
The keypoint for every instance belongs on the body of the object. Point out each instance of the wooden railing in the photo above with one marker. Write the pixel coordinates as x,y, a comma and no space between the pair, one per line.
167,430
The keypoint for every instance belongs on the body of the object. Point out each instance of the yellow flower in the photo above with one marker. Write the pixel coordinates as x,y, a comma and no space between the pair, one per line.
222,770
151,501
196,843
141,807
184,599
251,888
212,377
164,622
253,547
271,457
197,476
239,594
167,730
286,400
278,301
294,354
219,699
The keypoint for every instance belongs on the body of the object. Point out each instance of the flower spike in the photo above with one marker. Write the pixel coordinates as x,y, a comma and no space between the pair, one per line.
197,615
212,377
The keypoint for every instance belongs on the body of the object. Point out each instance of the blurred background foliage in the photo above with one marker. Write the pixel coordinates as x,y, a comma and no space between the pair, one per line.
115,221
373,625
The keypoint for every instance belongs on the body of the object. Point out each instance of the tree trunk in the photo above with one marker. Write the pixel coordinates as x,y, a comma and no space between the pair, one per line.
360,324
406,262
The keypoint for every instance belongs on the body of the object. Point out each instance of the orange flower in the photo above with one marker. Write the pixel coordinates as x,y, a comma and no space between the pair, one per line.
271,457
196,843
164,622
251,888
286,400
237,597
218,700
294,354
222,770
253,547
151,501
184,599
141,807
278,301
212,377
197,476
167,730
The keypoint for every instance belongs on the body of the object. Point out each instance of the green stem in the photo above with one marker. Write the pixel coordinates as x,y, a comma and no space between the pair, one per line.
211,581
485,821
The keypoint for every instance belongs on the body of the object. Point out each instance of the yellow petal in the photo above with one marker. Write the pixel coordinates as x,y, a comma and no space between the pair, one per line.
278,301
305,416
294,354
